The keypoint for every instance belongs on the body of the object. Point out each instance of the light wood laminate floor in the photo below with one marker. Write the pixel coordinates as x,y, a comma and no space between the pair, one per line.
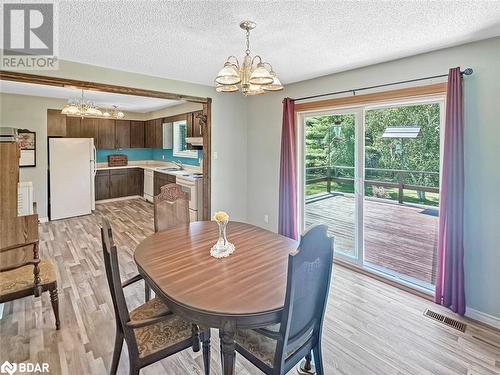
370,327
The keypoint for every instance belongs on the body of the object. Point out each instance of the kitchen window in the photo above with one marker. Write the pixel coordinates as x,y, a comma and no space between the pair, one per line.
180,148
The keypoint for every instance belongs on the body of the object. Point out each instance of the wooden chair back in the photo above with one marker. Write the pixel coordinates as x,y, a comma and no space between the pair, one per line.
115,285
308,283
171,207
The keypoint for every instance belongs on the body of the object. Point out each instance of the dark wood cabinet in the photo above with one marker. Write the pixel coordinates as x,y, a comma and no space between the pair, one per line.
161,179
106,134
122,134
118,183
137,134
73,127
56,123
135,181
149,134
158,125
102,185
197,129
89,129
153,133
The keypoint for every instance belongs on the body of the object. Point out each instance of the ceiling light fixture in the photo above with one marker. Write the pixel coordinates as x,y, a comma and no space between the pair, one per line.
250,78
81,107
114,113
86,108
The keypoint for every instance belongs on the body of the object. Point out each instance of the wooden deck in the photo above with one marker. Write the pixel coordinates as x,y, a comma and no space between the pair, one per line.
398,237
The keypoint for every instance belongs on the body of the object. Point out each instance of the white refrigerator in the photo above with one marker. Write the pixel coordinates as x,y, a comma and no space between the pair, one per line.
72,169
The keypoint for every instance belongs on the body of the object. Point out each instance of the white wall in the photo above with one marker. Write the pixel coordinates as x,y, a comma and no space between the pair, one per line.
482,151
30,112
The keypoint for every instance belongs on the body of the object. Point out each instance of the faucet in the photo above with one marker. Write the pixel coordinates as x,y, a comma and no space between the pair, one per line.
179,164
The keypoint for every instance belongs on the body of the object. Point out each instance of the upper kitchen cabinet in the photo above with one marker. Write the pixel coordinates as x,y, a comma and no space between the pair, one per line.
73,127
149,134
153,133
56,123
197,124
137,134
158,125
89,128
106,131
122,134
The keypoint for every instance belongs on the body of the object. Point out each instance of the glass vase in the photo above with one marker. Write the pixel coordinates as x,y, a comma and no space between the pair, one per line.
222,247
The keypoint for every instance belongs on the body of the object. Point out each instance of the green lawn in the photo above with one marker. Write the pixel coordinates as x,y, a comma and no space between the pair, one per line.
410,196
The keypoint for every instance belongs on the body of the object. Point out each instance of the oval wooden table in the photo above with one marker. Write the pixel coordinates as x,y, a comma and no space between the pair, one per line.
244,290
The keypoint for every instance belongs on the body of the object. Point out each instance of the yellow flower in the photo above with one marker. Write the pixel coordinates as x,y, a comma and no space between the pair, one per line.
221,216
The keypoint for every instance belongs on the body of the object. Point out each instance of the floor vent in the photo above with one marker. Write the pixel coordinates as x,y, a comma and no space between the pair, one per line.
455,324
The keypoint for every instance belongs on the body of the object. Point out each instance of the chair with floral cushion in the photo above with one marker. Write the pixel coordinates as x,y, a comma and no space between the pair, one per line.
152,331
278,348
22,272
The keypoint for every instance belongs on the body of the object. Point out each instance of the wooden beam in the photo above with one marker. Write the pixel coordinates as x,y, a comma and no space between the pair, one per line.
406,93
64,82
207,155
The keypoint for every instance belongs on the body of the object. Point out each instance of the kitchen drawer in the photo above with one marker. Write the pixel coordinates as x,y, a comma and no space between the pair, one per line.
115,172
102,172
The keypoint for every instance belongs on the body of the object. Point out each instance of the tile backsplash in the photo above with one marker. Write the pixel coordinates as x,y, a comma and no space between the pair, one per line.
135,154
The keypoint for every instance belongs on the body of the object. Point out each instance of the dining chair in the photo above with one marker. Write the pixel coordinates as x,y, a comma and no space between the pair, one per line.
152,331
22,272
171,208
278,348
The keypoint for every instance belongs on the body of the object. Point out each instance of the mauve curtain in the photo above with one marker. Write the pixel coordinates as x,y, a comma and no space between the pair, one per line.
450,272
287,220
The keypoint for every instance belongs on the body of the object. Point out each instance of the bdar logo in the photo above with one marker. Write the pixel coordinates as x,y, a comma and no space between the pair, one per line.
8,368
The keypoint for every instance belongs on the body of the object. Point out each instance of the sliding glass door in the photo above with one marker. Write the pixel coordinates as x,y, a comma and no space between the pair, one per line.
372,175
331,177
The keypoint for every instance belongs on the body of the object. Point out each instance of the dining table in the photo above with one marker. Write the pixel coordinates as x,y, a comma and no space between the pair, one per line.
242,291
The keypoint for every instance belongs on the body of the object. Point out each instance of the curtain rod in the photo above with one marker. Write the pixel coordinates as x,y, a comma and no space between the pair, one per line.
467,72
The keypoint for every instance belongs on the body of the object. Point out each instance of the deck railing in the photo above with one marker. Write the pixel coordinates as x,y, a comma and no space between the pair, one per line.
420,181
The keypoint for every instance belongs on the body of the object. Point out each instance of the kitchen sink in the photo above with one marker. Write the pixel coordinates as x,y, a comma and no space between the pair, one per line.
168,169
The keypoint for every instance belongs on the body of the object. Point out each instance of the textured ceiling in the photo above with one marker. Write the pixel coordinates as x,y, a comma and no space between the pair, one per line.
190,40
102,99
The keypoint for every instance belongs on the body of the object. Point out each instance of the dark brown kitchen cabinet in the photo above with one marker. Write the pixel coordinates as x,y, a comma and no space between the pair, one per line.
106,134
137,134
161,179
158,125
149,134
73,127
122,134
89,129
153,133
118,183
136,181
102,185
56,123
197,129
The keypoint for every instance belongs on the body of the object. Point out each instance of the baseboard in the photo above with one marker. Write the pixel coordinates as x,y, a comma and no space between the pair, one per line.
119,199
43,219
482,317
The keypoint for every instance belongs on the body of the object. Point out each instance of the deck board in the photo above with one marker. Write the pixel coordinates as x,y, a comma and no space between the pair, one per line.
398,237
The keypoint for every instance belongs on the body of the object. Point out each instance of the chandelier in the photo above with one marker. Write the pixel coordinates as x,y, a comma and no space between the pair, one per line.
252,77
87,108
114,113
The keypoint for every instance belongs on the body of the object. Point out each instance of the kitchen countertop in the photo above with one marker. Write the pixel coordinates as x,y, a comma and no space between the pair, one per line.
152,165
